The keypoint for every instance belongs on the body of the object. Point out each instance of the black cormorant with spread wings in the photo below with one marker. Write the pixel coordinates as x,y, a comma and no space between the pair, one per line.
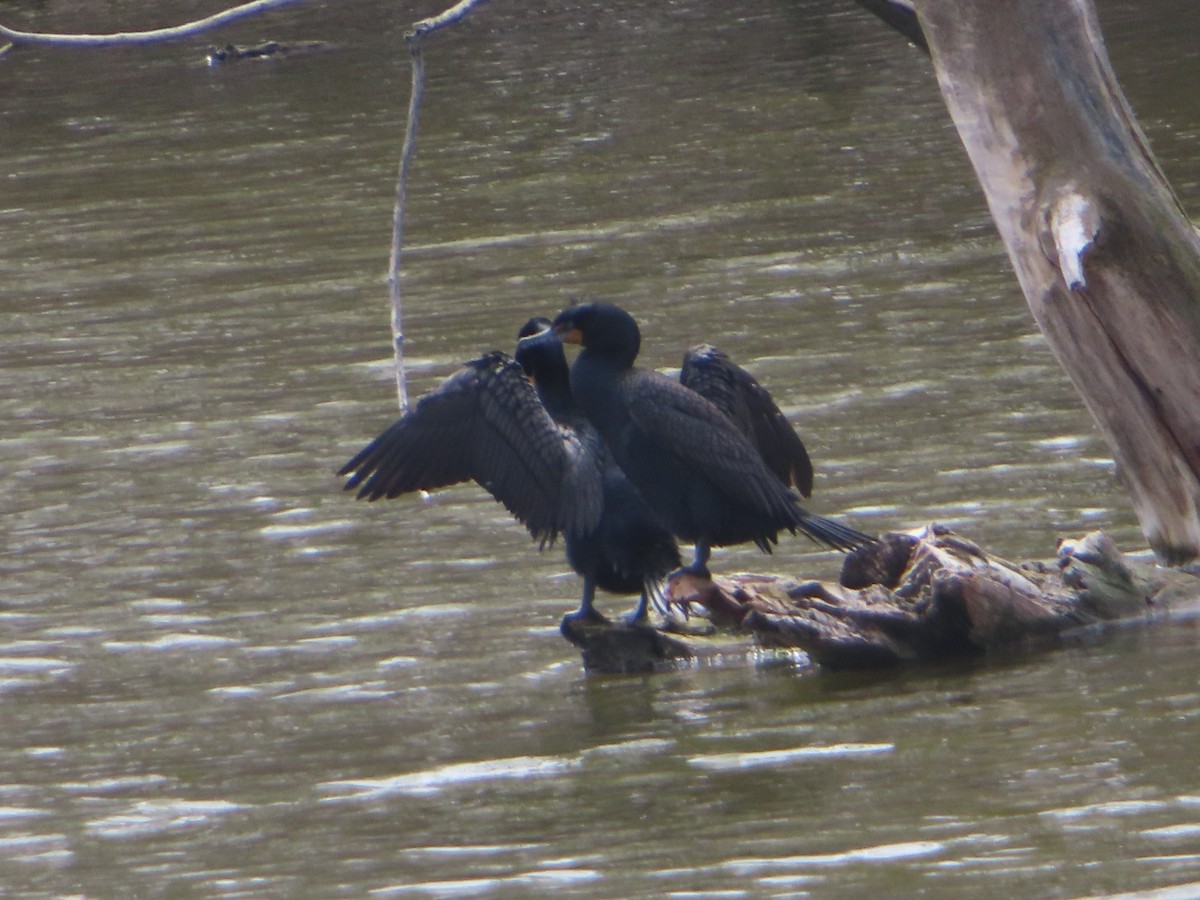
531,449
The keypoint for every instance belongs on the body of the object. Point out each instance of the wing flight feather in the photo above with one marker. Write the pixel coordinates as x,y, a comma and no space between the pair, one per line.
712,374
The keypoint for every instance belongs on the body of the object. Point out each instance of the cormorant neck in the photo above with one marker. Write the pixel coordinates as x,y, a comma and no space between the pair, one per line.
553,383
540,354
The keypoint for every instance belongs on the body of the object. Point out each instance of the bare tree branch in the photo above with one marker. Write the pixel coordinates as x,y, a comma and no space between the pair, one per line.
902,16
155,36
406,155
452,16
413,38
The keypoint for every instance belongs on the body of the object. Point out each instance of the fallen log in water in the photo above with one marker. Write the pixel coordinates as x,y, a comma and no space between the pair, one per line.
912,597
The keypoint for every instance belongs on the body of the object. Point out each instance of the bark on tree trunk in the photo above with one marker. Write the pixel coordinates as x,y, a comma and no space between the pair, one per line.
1108,261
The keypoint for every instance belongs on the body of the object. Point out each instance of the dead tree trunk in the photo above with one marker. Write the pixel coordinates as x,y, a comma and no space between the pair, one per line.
1107,259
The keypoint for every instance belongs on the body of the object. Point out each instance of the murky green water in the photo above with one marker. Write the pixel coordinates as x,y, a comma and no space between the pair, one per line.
220,676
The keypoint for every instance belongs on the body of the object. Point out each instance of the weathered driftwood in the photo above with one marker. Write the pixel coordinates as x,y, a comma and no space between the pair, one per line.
1107,259
913,597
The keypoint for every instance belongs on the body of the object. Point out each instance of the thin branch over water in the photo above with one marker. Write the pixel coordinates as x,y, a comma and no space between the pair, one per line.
154,36
413,38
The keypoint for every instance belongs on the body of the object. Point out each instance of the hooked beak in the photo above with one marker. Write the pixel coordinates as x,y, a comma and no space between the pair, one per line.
568,333
538,336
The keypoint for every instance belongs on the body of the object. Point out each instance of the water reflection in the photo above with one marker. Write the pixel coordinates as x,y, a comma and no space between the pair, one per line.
221,676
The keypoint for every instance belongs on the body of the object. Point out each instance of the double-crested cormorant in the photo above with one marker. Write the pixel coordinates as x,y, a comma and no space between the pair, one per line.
630,549
532,450
698,468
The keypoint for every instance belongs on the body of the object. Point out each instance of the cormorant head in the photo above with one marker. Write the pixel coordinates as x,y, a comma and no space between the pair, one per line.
536,325
540,353
534,340
539,348
602,328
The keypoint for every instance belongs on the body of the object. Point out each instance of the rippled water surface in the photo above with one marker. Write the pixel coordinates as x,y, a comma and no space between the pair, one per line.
221,676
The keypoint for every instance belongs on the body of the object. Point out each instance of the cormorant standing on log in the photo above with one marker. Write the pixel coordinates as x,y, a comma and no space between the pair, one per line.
698,470
630,549
533,451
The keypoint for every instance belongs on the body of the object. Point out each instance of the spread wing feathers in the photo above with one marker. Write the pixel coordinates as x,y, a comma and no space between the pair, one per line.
713,375
678,420
486,423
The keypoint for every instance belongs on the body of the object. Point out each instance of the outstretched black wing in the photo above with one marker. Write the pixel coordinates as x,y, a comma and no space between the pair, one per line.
485,423
713,375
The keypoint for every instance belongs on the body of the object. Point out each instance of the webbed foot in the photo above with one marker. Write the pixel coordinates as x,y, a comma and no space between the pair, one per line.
638,618
586,615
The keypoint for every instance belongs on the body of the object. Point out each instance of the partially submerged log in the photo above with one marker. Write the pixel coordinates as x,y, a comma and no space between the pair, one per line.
952,599
619,649
615,648
266,50
1107,258
926,596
